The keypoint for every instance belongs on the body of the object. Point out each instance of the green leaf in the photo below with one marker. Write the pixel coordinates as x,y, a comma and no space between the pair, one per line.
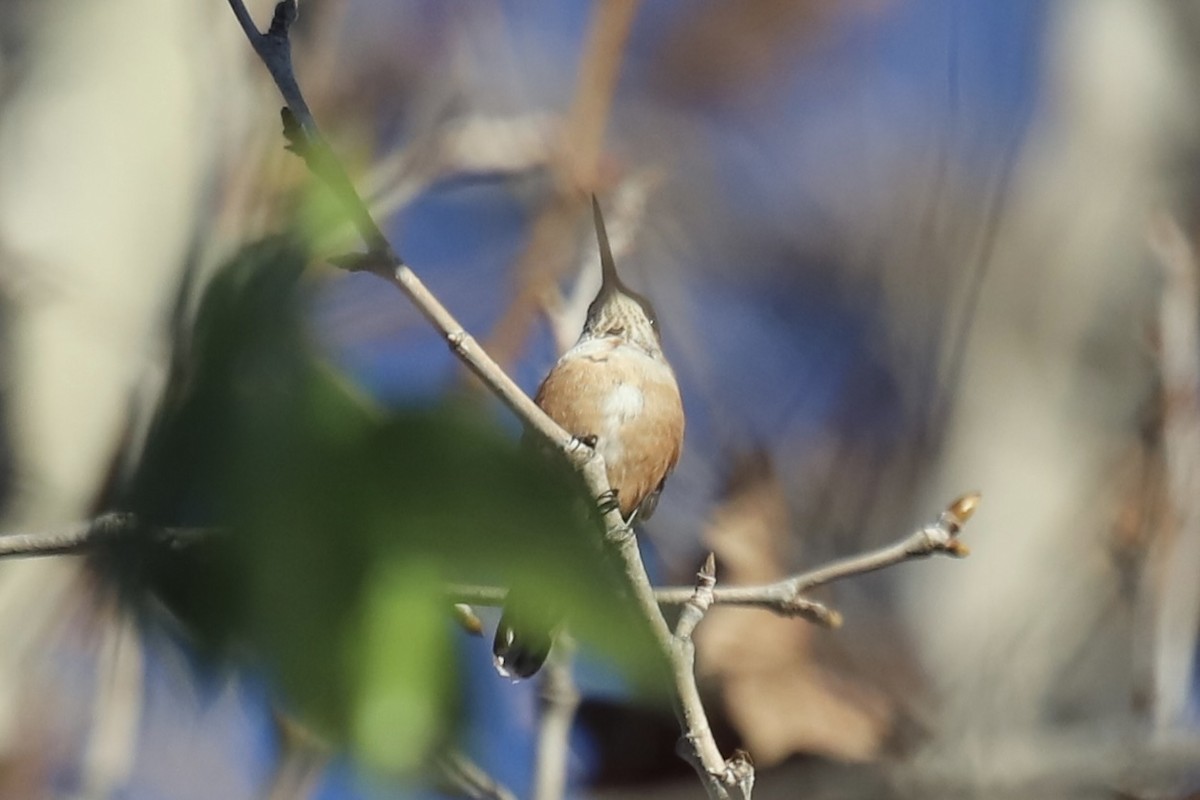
344,522
400,667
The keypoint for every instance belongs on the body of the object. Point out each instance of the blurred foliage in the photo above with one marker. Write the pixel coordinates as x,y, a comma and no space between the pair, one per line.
340,523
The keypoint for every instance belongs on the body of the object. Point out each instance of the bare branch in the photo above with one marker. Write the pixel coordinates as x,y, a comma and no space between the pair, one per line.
702,598
559,700
784,597
698,747
598,72
473,145
688,708
303,759
1178,593
72,539
84,537
469,778
246,21
763,597
274,48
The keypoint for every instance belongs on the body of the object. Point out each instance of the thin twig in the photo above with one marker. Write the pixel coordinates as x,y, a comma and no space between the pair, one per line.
783,597
559,700
763,597
469,778
698,747
979,267
303,759
1177,556
474,145
112,741
702,598
74,538
84,537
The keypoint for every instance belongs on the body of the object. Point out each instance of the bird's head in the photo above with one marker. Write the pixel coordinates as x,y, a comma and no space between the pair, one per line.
618,310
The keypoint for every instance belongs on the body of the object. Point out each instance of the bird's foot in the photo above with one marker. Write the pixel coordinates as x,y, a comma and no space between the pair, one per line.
608,502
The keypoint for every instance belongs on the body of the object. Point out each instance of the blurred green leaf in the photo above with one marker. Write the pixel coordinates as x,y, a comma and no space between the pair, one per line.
401,706
345,522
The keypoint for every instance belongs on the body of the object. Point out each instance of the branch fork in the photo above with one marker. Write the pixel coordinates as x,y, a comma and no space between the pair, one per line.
697,745
702,598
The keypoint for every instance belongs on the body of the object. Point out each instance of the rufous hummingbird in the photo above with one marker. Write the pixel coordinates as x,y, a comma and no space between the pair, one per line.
614,391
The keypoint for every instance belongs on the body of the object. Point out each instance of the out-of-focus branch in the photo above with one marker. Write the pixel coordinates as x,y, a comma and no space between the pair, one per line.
469,778
583,142
474,145
302,760
576,173
112,741
559,700
84,537
1177,611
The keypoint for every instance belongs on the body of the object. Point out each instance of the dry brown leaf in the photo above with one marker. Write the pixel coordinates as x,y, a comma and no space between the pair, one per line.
778,696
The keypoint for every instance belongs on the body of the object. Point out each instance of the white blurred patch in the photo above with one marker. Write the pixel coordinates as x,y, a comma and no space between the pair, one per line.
624,403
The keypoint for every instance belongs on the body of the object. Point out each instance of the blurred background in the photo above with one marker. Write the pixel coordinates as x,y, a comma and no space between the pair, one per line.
900,249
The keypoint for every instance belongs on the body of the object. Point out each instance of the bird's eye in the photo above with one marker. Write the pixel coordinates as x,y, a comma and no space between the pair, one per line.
617,330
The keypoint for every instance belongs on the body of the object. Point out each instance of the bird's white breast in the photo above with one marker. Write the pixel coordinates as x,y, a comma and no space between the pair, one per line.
624,402
625,399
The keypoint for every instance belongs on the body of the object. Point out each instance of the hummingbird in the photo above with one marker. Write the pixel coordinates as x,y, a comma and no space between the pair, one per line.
614,391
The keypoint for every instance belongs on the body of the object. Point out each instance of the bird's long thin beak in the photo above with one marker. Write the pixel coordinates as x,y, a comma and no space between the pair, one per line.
608,267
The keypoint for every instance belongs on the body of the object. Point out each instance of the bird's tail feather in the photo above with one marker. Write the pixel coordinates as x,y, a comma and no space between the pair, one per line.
522,642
